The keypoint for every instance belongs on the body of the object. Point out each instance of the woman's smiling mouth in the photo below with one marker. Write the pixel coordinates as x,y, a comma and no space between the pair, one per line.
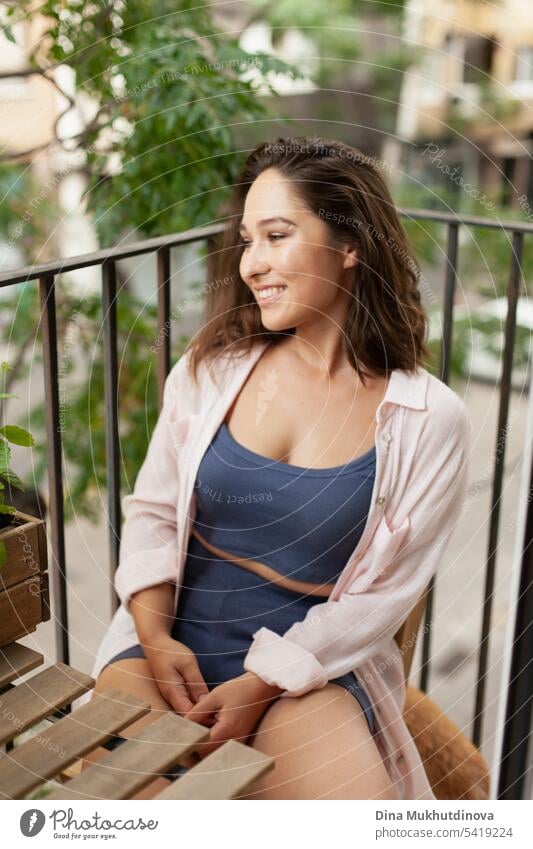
269,294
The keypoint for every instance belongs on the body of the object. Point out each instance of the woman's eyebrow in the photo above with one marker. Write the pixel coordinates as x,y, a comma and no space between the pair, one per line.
278,219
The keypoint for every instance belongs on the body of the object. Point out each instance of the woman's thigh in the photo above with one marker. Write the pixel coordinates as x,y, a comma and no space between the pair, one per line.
322,747
133,675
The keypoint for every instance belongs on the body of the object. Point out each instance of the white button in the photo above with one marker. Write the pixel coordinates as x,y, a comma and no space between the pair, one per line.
387,437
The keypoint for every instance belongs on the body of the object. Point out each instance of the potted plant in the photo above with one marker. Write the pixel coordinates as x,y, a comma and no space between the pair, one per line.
24,595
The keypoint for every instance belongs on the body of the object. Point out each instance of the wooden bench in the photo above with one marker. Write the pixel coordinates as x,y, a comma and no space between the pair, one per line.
131,763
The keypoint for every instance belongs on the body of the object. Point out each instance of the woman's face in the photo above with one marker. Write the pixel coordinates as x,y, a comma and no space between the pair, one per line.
288,247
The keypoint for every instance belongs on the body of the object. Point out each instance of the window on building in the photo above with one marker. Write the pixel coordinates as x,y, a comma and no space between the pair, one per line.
478,58
524,64
508,179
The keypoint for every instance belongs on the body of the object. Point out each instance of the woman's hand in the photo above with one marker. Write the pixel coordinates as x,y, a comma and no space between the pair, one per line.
176,672
232,709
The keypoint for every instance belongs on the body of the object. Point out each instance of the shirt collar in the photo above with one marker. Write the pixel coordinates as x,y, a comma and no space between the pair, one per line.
407,388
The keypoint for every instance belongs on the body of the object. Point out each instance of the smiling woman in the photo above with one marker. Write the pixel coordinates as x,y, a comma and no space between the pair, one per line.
272,620
313,232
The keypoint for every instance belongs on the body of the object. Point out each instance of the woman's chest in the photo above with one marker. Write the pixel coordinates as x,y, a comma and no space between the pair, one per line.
286,416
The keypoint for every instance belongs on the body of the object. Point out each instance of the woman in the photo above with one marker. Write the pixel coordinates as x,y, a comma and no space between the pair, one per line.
300,486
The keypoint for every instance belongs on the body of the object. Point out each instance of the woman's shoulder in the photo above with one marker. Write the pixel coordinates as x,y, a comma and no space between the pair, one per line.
210,378
442,399
443,408
182,386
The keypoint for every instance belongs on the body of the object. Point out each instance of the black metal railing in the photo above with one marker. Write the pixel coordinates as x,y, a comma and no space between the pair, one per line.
518,715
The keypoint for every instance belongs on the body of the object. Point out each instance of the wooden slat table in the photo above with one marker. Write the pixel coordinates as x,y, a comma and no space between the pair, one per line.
133,763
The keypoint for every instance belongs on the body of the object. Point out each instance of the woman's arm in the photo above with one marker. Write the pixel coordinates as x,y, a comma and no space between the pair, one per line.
153,612
173,665
149,554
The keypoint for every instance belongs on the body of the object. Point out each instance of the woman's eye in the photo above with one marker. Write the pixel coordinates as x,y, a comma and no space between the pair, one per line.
244,244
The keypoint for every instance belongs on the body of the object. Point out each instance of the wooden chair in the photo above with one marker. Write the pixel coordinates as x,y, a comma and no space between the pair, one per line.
455,767
406,636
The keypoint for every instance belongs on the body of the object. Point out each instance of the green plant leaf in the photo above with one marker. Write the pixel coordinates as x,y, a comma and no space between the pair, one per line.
8,32
17,435
3,553
7,508
5,456
13,479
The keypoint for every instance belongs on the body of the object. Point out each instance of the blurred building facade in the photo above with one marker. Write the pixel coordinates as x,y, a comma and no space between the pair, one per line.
468,101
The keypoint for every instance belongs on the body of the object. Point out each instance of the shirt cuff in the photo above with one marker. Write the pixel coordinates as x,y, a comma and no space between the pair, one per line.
280,662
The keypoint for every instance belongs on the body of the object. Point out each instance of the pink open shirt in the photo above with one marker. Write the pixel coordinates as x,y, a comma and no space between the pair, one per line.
422,440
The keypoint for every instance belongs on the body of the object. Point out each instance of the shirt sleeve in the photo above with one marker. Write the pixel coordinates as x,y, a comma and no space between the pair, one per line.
148,547
337,636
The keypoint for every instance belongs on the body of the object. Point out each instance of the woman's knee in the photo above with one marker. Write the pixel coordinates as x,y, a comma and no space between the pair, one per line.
133,675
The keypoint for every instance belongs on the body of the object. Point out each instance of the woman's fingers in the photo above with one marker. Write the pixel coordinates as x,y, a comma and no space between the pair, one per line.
221,729
176,693
220,733
203,710
194,679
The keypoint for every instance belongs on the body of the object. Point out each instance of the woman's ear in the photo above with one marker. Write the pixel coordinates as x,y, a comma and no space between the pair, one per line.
350,257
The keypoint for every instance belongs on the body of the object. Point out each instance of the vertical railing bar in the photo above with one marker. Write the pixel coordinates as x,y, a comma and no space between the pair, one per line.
517,722
109,310
499,460
55,474
163,321
449,299
444,371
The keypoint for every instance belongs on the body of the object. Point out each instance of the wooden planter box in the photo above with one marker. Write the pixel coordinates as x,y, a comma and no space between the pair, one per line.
24,593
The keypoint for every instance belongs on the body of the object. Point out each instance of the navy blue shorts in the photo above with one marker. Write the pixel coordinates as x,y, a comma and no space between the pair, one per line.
221,606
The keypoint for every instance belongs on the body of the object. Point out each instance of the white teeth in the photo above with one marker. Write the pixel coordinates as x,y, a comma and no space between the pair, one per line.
272,290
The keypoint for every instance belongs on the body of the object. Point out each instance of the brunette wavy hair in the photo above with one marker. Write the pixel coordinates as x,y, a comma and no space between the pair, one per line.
386,326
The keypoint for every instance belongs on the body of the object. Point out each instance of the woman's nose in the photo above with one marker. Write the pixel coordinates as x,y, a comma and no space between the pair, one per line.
254,260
